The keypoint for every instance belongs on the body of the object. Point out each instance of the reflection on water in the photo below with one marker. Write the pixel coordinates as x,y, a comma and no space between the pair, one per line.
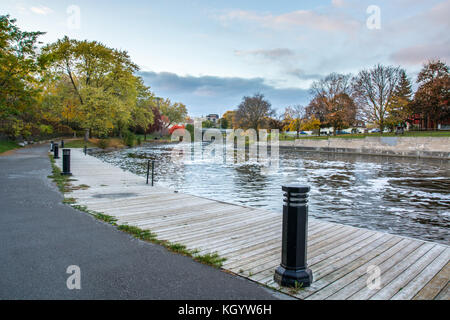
404,196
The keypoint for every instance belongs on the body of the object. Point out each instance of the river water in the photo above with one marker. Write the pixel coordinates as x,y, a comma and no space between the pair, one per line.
403,196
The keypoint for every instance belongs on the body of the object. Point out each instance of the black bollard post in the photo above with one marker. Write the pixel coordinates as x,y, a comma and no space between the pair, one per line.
51,146
293,271
153,171
55,151
66,163
85,150
148,169
62,144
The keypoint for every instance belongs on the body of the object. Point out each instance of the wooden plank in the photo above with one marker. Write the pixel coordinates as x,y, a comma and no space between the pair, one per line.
374,257
432,289
418,282
402,280
393,268
444,294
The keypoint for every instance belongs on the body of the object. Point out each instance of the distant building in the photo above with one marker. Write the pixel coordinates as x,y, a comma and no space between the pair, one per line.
213,118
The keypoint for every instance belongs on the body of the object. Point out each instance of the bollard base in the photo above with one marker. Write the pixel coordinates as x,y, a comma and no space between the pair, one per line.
293,278
66,174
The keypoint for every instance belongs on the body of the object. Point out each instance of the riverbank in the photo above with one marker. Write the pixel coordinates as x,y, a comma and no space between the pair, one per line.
416,147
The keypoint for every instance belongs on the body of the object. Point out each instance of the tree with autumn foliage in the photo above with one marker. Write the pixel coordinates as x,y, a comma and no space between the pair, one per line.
333,104
433,95
99,86
294,118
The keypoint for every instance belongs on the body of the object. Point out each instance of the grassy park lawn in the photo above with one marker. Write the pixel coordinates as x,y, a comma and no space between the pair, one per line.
8,145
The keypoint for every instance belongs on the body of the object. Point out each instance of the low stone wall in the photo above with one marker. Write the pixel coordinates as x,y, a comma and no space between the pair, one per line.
418,147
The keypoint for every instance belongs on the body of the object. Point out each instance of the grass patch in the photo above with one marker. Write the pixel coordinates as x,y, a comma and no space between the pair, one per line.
211,259
8,145
69,200
138,233
79,143
296,289
154,137
98,215
62,182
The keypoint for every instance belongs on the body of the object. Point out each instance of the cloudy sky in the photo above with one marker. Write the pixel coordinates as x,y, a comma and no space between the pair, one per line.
208,54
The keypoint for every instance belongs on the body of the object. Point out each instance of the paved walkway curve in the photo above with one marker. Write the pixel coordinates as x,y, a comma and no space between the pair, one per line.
40,237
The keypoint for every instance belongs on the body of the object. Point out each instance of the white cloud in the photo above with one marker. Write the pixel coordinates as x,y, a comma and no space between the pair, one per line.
302,18
338,3
41,10
271,54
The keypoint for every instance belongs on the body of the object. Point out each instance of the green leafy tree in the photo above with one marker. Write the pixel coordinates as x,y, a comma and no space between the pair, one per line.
399,108
174,112
19,78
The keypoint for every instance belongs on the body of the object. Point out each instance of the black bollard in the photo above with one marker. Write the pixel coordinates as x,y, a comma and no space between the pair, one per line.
153,171
51,146
85,150
148,170
66,163
62,144
293,271
55,151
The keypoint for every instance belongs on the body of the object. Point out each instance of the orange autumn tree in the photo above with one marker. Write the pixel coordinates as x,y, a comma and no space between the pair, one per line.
176,127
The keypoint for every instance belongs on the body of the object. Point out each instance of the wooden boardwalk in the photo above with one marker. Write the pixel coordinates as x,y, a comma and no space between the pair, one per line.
250,239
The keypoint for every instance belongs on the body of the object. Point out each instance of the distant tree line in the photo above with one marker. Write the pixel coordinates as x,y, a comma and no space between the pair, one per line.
381,96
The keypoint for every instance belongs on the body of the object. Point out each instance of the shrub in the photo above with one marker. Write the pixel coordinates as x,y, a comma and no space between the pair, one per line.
129,139
103,143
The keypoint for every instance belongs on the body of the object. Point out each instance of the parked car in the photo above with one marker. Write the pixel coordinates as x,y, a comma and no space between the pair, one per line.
376,130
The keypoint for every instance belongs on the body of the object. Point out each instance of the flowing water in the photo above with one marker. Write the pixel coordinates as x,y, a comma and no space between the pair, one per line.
404,196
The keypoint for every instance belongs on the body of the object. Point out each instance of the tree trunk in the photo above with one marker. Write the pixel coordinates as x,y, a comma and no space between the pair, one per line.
86,135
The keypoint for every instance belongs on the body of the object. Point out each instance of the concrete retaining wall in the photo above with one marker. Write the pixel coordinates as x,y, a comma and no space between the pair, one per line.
420,147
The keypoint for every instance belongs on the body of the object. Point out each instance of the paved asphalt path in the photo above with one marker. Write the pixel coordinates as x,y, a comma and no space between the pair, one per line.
40,237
